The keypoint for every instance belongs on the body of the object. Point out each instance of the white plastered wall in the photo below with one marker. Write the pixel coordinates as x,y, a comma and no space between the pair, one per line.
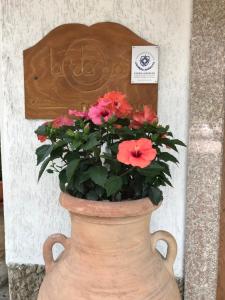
32,211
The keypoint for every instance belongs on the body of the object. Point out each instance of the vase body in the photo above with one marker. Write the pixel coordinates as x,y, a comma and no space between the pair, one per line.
110,256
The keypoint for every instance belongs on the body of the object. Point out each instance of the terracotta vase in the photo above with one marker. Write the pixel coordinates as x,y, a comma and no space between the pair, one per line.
110,256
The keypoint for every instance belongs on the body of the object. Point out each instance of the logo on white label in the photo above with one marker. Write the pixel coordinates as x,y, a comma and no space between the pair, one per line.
145,61
144,64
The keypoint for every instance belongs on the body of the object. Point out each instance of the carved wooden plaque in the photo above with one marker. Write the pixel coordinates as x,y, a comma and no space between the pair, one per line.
75,64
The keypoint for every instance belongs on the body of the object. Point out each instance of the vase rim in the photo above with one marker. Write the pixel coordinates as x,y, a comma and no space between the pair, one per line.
107,209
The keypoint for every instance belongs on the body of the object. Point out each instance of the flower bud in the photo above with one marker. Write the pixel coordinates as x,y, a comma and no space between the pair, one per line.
86,129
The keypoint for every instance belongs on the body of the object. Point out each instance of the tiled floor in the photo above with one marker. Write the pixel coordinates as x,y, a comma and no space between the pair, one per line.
4,291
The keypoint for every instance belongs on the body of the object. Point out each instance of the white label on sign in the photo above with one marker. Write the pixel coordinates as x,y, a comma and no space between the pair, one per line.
144,65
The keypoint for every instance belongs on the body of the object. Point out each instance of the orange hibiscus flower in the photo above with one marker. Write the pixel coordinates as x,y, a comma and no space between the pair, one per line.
145,116
117,103
137,153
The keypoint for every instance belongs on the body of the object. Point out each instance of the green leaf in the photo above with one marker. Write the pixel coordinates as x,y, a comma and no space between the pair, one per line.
169,133
71,168
91,142
113,185
154,137
84,176
155,195
137,186
42,152
153,170
99,191
163,180
169,143
76,144
62,180
70,133
167,181
92,195
58,150
118,197
161,129
114,148
98,174
168,157
71,155
116,166
78,185
43,167
166,168
178,142
123,122
59,144
42,130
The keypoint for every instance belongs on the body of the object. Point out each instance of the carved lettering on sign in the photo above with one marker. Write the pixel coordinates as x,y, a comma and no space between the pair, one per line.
74,64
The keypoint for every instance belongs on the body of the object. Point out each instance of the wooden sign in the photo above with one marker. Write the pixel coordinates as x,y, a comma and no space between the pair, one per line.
75,64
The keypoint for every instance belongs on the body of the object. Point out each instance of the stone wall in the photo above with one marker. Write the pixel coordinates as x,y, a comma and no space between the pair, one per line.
205,149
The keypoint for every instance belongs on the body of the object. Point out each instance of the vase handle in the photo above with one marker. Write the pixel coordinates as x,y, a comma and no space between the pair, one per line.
172,247
47,249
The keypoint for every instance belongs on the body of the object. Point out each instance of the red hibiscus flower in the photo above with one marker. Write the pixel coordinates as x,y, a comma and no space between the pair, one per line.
42,138
78,114
137,153
118,103
145,116
62,121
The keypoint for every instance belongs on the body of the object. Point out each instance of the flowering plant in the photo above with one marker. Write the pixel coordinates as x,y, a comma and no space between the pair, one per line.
108,152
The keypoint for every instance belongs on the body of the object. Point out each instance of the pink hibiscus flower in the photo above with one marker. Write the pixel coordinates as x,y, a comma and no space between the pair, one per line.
100,112
78,114
62,121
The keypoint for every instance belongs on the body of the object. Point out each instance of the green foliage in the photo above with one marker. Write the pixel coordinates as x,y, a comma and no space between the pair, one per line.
86,171
71,168
155,194
98,175
43,167
43,151
113,185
